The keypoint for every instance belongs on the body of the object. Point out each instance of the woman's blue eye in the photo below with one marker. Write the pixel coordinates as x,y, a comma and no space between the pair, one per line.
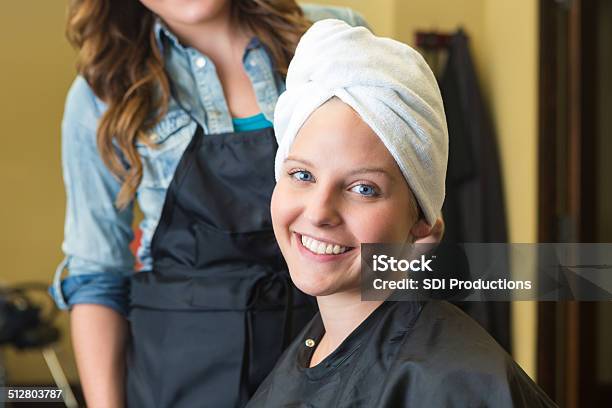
365,190
302,175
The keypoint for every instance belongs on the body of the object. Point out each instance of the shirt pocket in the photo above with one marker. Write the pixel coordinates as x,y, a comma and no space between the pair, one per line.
170,138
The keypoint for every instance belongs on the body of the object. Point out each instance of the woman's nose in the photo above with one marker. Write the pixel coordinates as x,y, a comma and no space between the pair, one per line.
321,208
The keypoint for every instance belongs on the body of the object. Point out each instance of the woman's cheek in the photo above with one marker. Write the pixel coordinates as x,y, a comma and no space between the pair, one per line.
369,224
283,211
379,224
276,211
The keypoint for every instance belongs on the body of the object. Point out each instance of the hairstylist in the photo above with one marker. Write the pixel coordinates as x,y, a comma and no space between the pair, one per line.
172,110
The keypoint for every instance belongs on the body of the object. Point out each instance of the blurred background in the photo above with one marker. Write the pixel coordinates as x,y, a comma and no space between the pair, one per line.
528,83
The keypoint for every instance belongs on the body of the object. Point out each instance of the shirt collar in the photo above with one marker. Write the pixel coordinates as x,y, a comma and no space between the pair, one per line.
161,30
254,43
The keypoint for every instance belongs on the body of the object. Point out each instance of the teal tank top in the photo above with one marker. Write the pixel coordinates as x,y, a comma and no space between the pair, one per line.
254,122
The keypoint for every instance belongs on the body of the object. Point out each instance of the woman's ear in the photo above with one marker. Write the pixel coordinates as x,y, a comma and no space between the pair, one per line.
423,233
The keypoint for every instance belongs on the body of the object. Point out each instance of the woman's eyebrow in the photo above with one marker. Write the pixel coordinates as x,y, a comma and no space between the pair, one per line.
361,170
364,170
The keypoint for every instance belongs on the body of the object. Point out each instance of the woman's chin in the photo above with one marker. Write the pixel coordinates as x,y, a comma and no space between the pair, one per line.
195,12
312,285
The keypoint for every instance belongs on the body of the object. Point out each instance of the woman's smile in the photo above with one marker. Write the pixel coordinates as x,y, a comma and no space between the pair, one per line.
320,250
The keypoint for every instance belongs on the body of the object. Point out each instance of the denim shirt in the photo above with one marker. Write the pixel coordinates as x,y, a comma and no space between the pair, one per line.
96,234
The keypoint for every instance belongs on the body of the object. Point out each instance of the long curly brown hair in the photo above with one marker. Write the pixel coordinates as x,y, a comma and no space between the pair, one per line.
119,57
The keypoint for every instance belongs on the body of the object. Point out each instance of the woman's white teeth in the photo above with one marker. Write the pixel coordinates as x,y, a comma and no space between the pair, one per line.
322,248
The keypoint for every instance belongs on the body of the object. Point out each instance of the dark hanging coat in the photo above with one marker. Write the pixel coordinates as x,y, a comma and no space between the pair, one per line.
474,208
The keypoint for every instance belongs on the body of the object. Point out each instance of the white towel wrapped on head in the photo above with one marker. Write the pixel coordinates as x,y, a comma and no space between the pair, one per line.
388,84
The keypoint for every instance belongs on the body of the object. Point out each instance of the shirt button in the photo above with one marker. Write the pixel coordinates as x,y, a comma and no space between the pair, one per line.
253,63
309,343
200,62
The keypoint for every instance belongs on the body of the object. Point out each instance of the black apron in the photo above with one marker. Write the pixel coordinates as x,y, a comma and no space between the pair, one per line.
211,319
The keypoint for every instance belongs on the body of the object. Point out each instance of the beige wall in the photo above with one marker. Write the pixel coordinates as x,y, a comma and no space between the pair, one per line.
37,68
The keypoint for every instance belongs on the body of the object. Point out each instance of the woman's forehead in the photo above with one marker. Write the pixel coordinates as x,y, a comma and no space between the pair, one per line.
335,136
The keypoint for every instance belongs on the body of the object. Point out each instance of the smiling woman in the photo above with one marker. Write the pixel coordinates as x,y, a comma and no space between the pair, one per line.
362,159
325,200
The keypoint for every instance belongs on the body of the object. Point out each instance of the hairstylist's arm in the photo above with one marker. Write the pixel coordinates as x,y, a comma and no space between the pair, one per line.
98,259
99,338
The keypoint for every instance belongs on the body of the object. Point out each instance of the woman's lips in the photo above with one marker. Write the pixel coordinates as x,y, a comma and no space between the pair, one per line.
322,247
320,251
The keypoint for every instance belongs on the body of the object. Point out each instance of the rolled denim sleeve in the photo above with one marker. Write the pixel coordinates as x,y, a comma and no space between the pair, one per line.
96,234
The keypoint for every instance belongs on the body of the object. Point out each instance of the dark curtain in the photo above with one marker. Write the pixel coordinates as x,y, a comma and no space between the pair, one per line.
474,207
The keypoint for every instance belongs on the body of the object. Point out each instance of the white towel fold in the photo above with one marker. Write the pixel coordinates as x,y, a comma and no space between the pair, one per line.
388,84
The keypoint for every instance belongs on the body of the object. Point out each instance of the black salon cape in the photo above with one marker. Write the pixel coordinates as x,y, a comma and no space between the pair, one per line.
404,354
